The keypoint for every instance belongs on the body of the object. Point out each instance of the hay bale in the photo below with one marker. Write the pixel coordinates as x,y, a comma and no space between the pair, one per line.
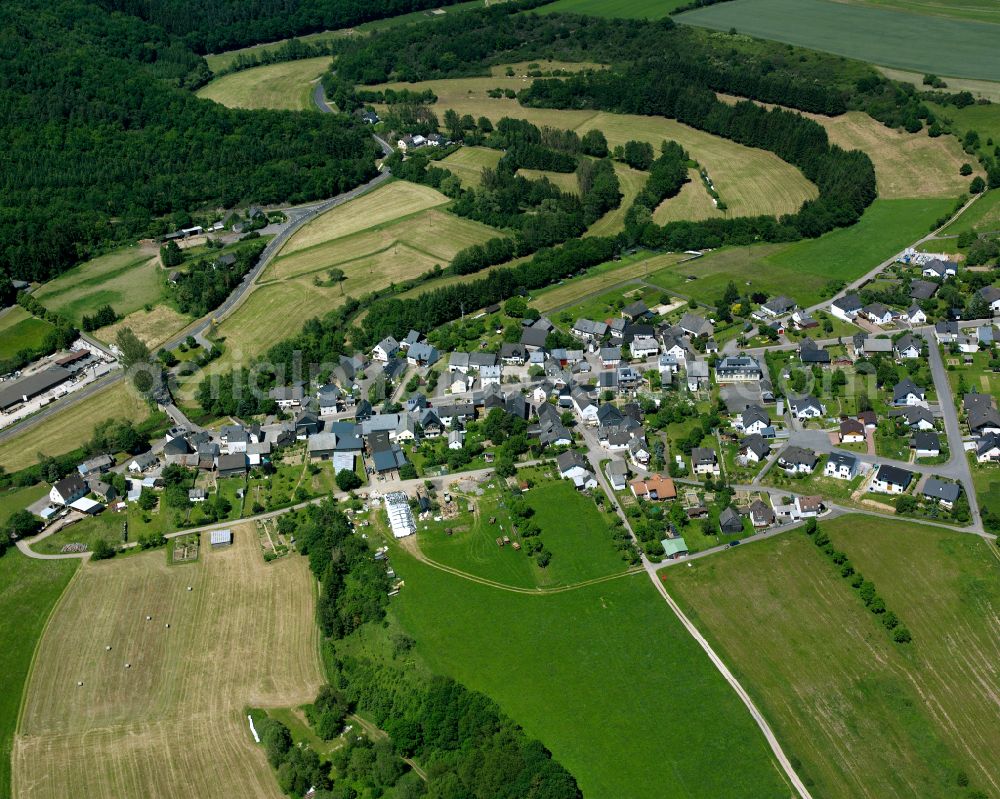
149,618
107,649
128,665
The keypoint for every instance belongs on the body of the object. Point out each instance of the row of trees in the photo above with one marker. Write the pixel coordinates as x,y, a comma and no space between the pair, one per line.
206,284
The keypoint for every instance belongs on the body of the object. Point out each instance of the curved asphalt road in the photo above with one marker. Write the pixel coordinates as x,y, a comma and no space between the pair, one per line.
297,217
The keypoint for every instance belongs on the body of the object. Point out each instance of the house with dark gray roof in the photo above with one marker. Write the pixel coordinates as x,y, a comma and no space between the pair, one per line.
798,460
891,480
944,493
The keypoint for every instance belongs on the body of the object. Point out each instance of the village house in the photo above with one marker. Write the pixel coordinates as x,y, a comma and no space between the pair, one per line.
890,480
918,417
907,347
988,448
906,392
287,396
846,308
385,349
696,375
797,460
852,431
806,408
753,419
754,449
926,444
944,493
704,461
573,466
68,490
939,269
991,295
617,472
655,488
589,331
914,315
422,354
730,521
761,514
738,369
695,325
778,306
841,466
877,314
644,347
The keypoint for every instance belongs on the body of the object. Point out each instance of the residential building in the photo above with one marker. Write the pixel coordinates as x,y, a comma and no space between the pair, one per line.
988,448
695,325
891,480
753,419
644,347
939,269
589,330
704,461
908,347
991,294
385,349
422,354
287,396
738,369
655,488
918,417
914,315
797,460
841,466
617,471
906,392
852,431
846,308
611,357
754,449
730,522
761,515
573,466
806,408
944,493
233,464
926,444
778,306
68,490
877,314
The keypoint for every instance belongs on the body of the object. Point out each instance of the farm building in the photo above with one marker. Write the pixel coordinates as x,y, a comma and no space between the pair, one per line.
397,507
674,548
221,538
27,388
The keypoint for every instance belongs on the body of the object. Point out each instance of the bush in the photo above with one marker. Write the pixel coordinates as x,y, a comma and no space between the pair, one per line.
103,550
348,480
902,635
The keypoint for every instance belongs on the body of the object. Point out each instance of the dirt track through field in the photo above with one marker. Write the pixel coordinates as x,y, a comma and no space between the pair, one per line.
173,723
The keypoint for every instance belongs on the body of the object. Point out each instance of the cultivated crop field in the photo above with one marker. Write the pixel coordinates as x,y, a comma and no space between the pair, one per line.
284,86
804,269
126,279
604,675
467,163
20,330
692,202
389,235
750,181
963,48
864,716
173,723
72,427
981,10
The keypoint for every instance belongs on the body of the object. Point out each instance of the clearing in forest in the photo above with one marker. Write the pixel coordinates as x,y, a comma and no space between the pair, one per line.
173,723
287,85
692,202
866,717
468,163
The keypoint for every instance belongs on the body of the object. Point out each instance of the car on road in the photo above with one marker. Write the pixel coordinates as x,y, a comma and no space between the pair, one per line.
735,543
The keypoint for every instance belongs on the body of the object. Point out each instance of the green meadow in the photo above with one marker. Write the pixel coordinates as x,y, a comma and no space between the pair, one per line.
20,330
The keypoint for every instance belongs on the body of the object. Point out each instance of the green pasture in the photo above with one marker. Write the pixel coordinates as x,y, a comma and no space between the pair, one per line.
804,269
28,591
126,280
963,48
851,707
604,675
20,330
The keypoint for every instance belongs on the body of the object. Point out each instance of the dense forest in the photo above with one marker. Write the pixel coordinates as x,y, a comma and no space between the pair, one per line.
101,138
211,26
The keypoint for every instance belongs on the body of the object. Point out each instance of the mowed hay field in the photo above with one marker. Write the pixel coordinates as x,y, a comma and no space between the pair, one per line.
392,234
629,9
981,10
692,202
750,181
865,717
173,723
72,427
152,327
906,164
961,48
631,182
283,86
125,279
468,163
564,181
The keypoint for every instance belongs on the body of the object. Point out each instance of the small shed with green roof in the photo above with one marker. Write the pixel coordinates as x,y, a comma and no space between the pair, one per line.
674,547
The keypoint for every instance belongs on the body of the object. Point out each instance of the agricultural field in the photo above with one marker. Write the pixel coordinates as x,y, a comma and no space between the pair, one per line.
28,591
613,222
984,215
153,327
564,181
468,163
65,431
590,673
126,279
863,716
174,722
693,202
979,88
389,235
981,10
20,330
580,551
750,181
804,269
287,85
963,48
600,278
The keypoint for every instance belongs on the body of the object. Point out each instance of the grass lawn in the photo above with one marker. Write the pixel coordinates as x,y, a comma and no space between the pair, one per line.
72,427
607,305
287,85
588,673
106,526
581,549
14,499
986,479
28,591
984,119
125,279
861,715
963,48
20,330
803,269
973,377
